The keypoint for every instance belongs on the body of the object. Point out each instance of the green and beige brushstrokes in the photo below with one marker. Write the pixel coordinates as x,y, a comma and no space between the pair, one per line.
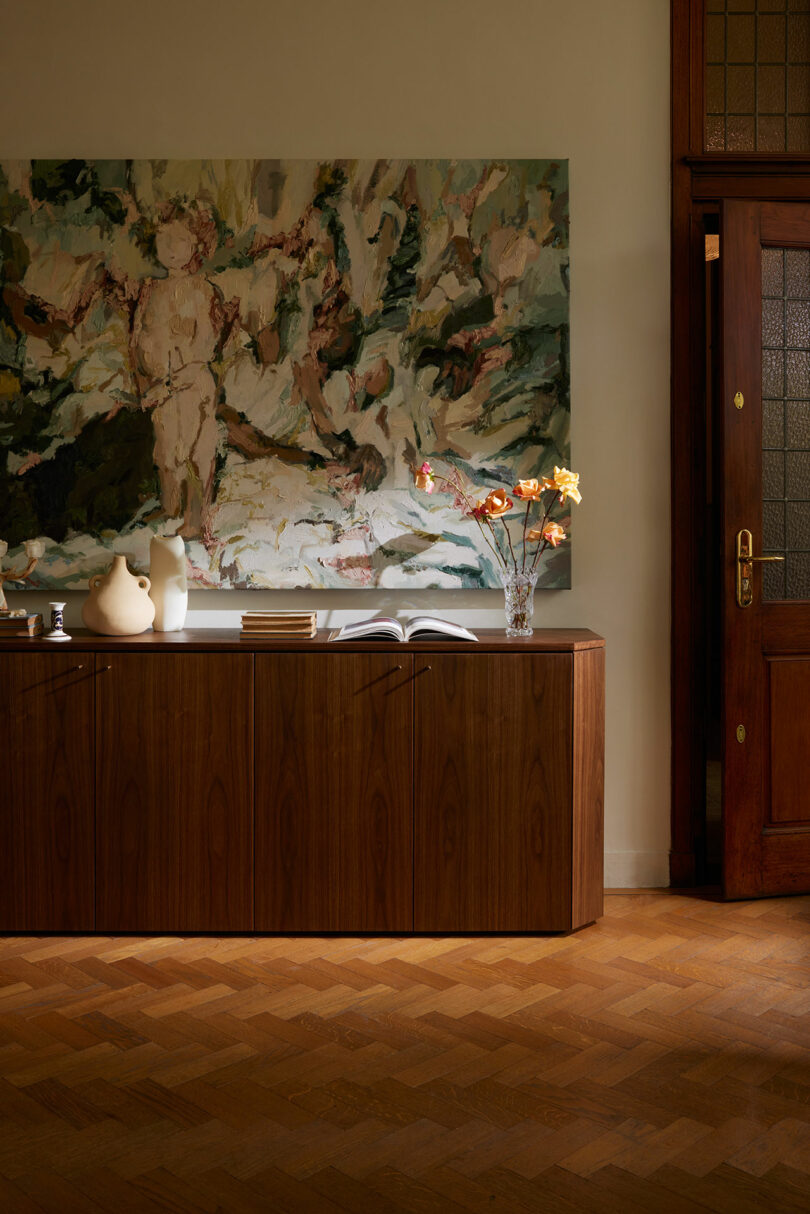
256,353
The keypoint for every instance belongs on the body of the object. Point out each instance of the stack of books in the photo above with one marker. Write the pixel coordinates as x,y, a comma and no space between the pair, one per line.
27,625
279,624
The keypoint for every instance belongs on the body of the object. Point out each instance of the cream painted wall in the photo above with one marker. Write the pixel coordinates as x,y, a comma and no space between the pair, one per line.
585,79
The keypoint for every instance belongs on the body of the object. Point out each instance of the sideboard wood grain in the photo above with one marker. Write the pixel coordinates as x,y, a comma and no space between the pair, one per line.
46,792
493,793
196,782
334,836
588,747
174,792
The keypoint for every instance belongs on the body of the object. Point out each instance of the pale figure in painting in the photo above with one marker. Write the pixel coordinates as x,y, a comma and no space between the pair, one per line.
177,326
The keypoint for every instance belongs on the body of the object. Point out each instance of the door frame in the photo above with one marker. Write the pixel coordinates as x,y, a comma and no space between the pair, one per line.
700,182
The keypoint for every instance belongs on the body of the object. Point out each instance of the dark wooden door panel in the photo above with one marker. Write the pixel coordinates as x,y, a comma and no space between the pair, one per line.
789,695
46,802
766,694
334,842
493,805
174,792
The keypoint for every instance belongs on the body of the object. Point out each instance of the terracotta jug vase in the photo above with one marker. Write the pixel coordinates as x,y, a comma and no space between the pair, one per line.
119,602
169,592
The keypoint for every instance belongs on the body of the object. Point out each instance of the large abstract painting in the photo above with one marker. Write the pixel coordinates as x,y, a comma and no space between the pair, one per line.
257,354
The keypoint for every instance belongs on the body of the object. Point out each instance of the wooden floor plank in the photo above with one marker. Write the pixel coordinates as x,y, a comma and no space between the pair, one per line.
656,1061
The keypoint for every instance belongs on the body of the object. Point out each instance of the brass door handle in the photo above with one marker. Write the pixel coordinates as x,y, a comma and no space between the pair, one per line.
745,571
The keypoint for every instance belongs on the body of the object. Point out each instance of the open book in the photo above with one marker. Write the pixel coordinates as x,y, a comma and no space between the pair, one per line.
420,628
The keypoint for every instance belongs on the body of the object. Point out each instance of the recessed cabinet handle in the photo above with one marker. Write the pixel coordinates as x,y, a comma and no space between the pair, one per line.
79,667
106,668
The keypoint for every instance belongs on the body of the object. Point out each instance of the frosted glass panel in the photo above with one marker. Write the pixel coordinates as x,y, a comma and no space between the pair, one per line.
773,272
773,323
773,422
797,268
797,364
773,374
786,422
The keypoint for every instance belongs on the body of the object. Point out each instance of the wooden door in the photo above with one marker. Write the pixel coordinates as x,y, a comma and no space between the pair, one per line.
46,792
334,832
174,739
765,264
493,802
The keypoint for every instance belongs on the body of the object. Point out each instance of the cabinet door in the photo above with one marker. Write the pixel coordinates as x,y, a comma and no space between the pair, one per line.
492,815
46,803
333,792
174,740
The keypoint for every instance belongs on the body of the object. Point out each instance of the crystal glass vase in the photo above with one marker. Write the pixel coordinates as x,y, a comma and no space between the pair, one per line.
518,591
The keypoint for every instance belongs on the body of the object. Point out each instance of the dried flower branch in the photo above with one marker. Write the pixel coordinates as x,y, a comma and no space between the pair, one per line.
497,504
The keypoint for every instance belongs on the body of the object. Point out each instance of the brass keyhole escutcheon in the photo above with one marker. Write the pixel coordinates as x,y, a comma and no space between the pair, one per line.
740,733
739,400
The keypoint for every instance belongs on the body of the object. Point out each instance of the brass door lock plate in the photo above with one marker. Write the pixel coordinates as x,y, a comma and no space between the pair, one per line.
745,570
745,567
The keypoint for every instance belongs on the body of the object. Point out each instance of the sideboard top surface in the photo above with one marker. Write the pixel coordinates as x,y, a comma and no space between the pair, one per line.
222,640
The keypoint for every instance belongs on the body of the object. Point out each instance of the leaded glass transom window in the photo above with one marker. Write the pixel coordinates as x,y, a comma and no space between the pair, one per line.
757,56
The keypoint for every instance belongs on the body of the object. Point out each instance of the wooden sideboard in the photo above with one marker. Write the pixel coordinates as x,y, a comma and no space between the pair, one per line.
190,782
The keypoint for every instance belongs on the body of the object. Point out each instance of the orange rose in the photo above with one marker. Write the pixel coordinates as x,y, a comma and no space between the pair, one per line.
529,490
496,503
552,533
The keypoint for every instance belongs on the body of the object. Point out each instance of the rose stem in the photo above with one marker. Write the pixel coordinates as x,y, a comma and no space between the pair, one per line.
509,538
540,550
525,525
504,561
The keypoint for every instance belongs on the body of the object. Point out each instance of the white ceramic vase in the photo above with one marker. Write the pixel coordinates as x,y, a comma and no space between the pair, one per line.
118,603
169,590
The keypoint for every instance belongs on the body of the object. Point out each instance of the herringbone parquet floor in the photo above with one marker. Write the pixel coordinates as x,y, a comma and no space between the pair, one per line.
659,1060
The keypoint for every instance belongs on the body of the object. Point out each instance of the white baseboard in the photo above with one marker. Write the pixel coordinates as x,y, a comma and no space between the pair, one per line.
636,869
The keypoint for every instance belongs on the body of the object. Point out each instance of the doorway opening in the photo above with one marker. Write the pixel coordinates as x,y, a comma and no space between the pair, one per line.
754,165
